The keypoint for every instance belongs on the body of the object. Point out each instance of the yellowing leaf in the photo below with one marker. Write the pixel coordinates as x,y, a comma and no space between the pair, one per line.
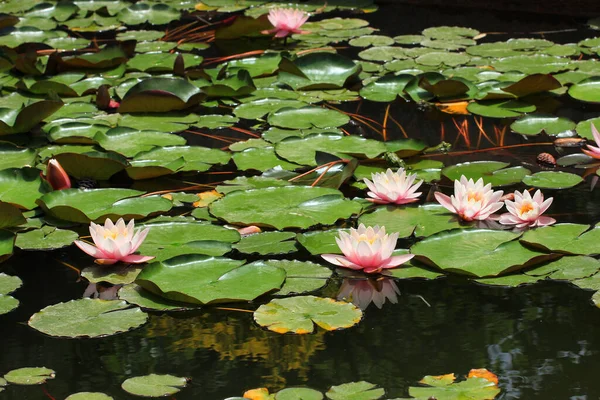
258,394
483,373
206,198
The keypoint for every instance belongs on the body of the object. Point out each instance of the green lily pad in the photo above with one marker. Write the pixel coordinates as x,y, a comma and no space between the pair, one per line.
531,84
500,108
164,122
82,206
12,156
584,128
200,279
141,12
513,280
234,84
215,121
89,396
258,108
160,95
29,376
22,187
254,182
108,57
320,242
298,394
10,216
267,243
303,150
494,172
130,142
261,159
87,318
534,124
167,239
299,314
301,276
317,71
490,253
8,284
135,294
436,58
162,62
383,53
586,90
284,207
386,88
552,180
565,238
13,37
171,159
355,391
307,117
22,120
7,241
115,275
372,40
567,268
441,32
154,385
533,64
471,388
266,64
422,221
61,11
45,238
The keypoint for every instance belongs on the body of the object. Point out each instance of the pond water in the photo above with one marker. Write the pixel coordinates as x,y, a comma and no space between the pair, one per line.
542,340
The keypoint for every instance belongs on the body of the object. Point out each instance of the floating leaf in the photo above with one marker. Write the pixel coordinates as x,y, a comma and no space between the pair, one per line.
567,268
386,88
155,14
267,243
115,275
154,385
494,172
532,64
477,252
500,108
22,120
89,396
565,238
160,95
552,180
258,108
355,391
10,216
423,221
45,238
307,117
320,242
586,90
200,279
29,376
298,394
534,124
317,71
8,284
130,142
135,294
444,387
87,318
284,207
22,187
299,314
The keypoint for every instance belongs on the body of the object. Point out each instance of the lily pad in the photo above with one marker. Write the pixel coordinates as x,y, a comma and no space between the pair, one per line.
500,108
154,385
260,159
22,187
355,391
386,88
567,268
130,142
22,120
552,180
320,242
89,396
82,206
267,243
298,394
29,376
87,318
534,124
533,64
490,253
317,71
8,284
200,279
115,275
10,215
284,207
307,117
472,388
141,12
422,221
586,90
258,108
494,172
301,276
45,238
160,95
135,294
565,238
299,314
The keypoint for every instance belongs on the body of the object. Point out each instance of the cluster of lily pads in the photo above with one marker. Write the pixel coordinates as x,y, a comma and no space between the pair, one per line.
131,101
480,384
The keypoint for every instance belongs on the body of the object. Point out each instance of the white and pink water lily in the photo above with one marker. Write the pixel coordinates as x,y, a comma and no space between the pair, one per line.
526,211
393,187
593,151
286,21
367,249
471,200
115,242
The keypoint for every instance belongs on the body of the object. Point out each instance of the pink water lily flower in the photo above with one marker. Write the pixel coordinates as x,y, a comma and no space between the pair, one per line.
286,21
526,211
115,242
362,292
593,151
367,249
471,200
393,187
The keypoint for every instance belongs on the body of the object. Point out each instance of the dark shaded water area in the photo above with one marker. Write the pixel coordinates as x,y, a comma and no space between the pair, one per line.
543,340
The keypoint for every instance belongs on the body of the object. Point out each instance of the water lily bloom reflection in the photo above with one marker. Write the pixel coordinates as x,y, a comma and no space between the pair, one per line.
393,187
56,176
286,21
471,200
593,151
526,211
362,292
115,242
367,249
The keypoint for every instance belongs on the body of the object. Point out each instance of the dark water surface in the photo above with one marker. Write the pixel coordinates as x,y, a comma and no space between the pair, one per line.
543,341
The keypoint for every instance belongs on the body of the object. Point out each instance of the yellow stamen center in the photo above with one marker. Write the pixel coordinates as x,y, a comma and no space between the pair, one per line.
474,196
365,238
526,207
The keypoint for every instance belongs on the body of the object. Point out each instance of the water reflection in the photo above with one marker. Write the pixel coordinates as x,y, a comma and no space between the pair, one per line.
362,292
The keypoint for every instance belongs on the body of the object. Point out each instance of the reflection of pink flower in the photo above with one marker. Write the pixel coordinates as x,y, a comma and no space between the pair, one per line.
368,249
393,187
115,242
593,151
57,176
362,292
286,21
526,211
471,200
